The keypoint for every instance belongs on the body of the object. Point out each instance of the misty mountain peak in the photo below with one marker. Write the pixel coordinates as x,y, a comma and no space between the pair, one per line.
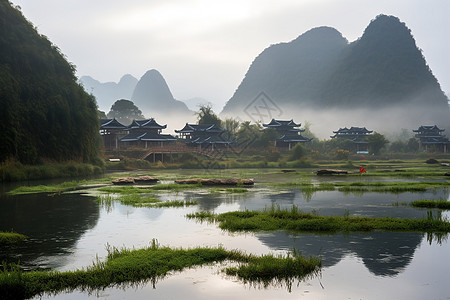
128,79
320,35
152,95
320,70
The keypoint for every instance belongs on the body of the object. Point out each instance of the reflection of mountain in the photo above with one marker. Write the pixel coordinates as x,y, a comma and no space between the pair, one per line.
211,201
53,224
383,253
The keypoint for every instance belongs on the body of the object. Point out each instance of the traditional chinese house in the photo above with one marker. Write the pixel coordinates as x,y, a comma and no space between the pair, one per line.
203,136
111,130
357,135
288,134
146,133
431,137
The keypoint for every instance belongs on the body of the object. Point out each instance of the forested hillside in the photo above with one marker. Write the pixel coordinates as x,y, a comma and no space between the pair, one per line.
45,113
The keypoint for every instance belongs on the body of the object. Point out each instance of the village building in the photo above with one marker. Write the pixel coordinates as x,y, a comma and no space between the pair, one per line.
357,135
111,130
204,136
146,134
288,134
431,138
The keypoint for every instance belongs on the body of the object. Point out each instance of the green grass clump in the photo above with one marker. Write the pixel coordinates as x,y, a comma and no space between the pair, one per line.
228,190
123,189
270,269
58,188
174,187
8,238
137,200
175,203
358,186
298,221
125,267
441,204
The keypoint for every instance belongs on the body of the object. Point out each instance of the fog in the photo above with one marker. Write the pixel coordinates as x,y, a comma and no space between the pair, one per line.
391,121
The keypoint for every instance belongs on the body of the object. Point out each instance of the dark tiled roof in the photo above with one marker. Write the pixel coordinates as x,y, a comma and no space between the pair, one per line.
278,123
433,128
146,124
111,124
293,138
345,132
189,128
147,136
210,140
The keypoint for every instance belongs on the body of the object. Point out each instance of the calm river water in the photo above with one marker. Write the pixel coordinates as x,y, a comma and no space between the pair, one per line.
69,231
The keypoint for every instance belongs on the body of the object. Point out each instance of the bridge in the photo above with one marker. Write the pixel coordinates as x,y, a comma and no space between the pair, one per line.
160,151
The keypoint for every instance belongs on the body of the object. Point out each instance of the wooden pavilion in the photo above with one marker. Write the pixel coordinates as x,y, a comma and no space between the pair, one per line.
288,134
431,137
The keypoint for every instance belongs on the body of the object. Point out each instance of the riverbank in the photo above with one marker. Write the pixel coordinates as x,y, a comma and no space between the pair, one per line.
14,171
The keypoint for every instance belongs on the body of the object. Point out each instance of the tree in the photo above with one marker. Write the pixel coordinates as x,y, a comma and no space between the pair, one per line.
45,114
205,115
125,112
376,142
298,152
248,133
231,126
413,145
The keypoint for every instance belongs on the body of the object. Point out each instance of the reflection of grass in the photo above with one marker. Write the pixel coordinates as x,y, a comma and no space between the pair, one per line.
298,221
7,238
441,204
130,267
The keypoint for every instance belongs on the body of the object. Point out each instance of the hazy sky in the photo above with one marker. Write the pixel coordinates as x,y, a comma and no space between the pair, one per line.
204,48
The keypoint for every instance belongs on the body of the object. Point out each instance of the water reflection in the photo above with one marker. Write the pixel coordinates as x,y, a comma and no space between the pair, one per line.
383,253
52,223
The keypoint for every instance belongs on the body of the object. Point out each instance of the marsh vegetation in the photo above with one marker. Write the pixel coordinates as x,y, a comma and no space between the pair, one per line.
124,267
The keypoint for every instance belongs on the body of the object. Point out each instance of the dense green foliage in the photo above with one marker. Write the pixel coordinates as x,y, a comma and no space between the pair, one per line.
45,113
7,238
125,112
206,115
442,204
14,171
298,221
126,267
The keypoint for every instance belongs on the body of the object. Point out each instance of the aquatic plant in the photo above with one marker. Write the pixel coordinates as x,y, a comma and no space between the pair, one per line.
441,204
228,190
174,203
130,266
298,221
57,188
7,238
